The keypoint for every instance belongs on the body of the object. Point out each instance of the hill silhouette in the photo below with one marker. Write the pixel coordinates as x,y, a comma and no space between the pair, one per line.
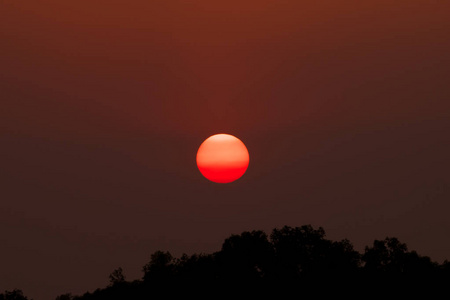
291,260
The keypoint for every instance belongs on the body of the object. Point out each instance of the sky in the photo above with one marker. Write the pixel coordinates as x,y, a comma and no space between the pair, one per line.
343,106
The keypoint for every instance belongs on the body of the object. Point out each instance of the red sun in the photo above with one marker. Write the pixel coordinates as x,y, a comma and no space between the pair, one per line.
222,158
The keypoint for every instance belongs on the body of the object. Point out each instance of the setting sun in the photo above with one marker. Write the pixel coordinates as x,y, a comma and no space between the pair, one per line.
222,158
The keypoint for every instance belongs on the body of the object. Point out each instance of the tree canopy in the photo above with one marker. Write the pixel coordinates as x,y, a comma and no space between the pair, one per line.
299,259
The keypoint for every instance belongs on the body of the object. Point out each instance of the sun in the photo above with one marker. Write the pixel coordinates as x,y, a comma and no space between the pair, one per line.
222,158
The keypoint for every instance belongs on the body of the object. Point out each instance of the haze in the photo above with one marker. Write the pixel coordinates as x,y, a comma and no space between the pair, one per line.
343,105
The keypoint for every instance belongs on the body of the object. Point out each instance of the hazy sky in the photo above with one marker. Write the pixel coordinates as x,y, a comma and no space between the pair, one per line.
344,107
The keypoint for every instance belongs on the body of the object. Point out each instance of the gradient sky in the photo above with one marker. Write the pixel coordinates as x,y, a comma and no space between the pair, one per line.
344,107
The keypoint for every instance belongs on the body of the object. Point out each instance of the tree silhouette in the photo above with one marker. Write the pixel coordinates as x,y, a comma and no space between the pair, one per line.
67,296
388,255
389,265
13,295
297,261
342,257
248,256
116,277
196,268
160,267
304,251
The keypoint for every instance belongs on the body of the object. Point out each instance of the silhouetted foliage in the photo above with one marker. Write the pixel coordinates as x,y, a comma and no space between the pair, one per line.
160,268
249,256
196,268
391,256
388,255
298,261
116,277
299,249
445,267
13,295
304,251
67,296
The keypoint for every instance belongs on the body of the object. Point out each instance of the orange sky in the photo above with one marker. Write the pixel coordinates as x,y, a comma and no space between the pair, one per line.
343,105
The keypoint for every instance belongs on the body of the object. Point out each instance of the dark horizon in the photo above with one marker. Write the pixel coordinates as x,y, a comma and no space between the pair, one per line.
290,260
343,106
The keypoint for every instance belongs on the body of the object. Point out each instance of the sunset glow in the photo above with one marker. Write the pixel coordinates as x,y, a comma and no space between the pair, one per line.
222,158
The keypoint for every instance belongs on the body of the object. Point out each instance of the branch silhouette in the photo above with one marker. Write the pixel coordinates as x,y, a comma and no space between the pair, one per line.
292,260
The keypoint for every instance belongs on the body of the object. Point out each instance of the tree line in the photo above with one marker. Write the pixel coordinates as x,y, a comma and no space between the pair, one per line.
297,260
